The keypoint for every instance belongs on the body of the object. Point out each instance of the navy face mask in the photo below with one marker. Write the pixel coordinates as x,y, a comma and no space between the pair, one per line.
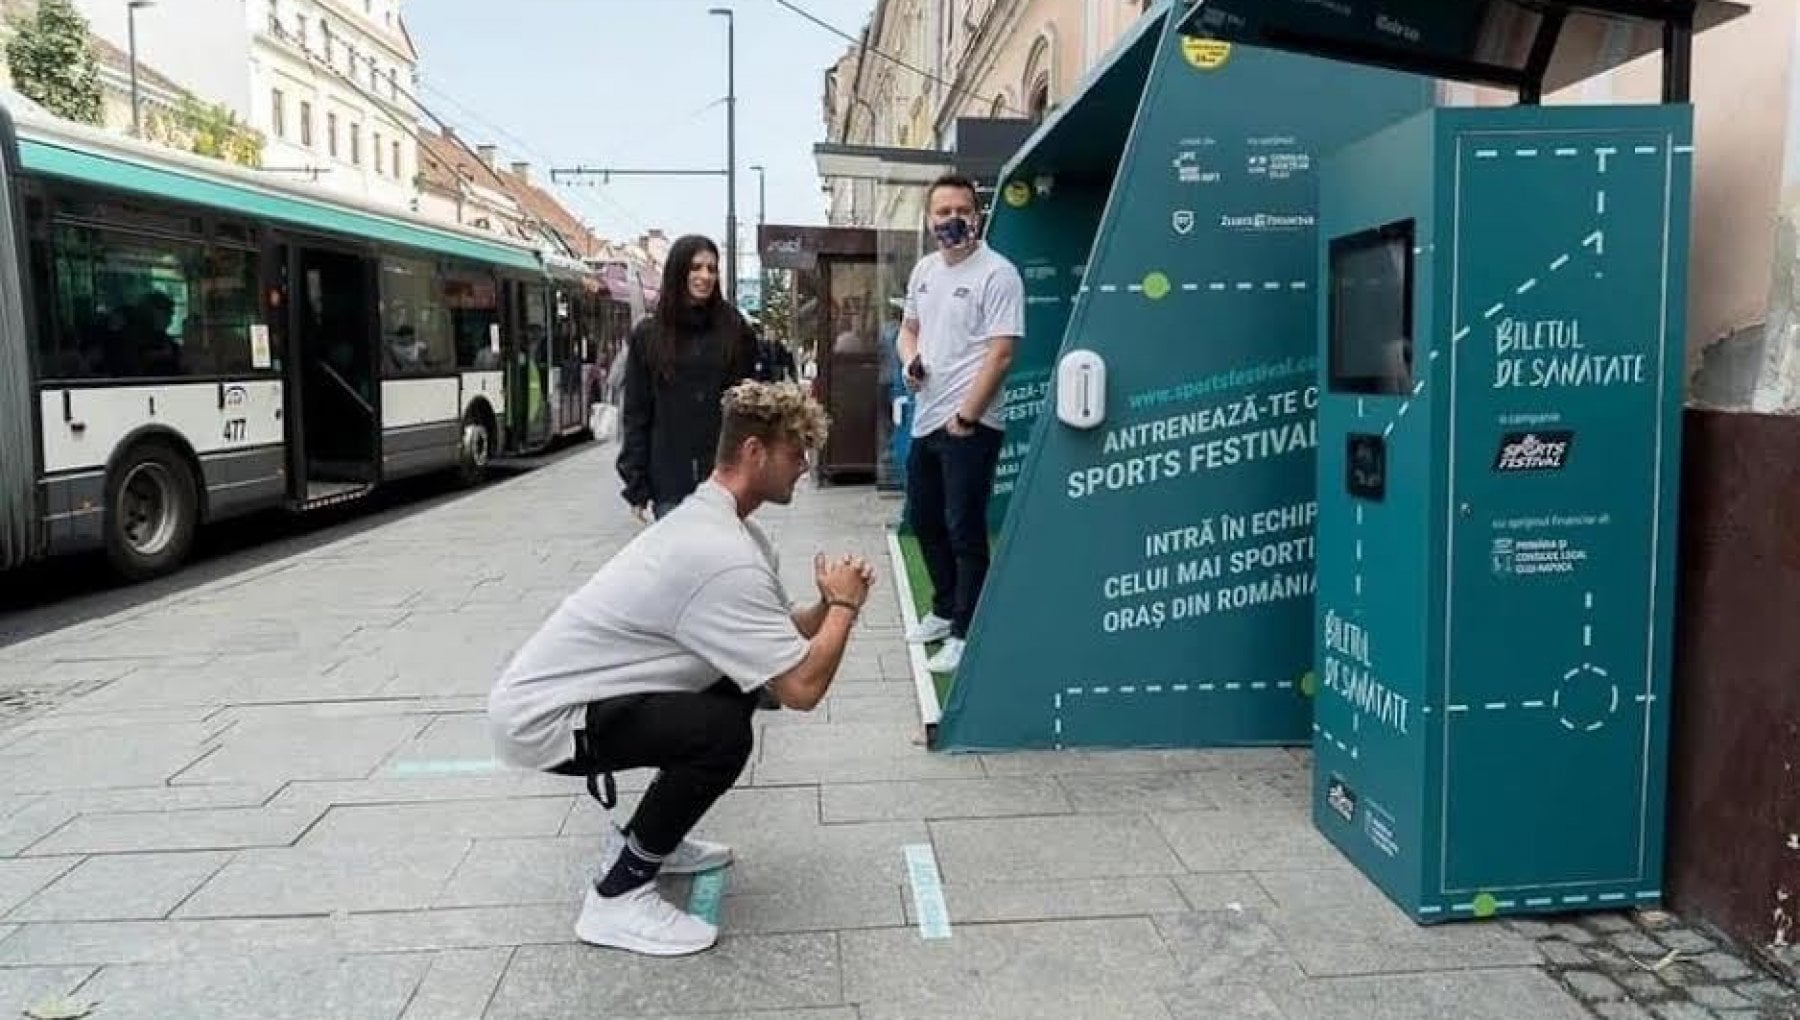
953,232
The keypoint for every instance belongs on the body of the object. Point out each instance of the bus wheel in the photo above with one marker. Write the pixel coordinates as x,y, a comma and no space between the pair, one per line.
477,447
152,510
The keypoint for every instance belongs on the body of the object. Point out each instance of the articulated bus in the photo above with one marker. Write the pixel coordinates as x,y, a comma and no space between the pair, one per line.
182,341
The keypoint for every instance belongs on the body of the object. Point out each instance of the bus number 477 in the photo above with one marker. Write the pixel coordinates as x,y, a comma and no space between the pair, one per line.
234,430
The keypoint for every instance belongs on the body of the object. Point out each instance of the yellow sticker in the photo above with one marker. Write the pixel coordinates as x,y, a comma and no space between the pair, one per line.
1206,54
1018,193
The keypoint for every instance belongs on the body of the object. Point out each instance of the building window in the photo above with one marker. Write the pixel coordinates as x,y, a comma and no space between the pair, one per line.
274,20
396,153
1038,104
356,144
379,154
329,44
331,134
306,137
277,113
393,85
374,75
300,28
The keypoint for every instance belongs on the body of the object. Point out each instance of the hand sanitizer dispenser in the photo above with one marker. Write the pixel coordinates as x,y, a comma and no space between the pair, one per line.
1081,389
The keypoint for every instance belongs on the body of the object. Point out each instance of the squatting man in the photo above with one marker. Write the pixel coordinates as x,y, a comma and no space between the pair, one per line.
657,662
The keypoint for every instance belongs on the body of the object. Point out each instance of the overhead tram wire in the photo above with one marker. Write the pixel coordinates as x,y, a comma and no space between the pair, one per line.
890,58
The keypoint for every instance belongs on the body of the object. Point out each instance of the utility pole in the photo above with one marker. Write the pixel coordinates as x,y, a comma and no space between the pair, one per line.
730,151
131,9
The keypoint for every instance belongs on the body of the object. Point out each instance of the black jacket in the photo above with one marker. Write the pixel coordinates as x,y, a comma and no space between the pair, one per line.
669,428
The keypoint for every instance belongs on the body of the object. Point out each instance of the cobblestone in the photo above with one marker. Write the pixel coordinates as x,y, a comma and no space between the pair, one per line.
1593,986
1622,1011
1724,967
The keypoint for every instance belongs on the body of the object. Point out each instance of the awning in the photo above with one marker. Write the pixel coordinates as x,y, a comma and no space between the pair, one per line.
1531,46
881,163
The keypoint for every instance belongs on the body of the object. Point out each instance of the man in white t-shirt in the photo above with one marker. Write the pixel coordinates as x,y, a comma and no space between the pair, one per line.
657,661
965,311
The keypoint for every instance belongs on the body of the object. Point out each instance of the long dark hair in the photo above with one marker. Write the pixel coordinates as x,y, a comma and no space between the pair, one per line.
676,312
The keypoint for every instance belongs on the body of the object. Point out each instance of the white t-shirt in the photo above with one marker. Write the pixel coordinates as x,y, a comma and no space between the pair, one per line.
694,597
959,308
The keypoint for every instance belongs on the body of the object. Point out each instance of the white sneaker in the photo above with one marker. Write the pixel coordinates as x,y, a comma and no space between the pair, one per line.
948,658
690,858
643,922
931,627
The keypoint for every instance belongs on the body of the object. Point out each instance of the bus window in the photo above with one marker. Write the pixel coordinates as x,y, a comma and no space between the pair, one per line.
415,338
131,306
474,306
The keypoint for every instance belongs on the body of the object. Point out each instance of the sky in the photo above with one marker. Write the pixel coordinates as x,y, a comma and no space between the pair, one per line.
631,84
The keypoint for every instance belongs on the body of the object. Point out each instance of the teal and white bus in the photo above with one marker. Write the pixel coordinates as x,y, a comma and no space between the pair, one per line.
183,341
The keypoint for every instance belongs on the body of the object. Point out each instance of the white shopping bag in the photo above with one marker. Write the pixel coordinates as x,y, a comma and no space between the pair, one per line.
603,420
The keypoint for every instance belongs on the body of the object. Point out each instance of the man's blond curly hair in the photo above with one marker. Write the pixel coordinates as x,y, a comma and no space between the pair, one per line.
770,412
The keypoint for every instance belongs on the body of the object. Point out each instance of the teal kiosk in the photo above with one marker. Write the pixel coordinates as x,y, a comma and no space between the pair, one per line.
1152,583
1501,365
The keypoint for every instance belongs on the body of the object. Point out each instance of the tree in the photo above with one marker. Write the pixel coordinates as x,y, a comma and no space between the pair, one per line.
778,305
52,65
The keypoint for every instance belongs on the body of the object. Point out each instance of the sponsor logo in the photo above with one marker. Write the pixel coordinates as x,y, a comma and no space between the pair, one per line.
1018,194
1396,28
1261,222
1341,798
235,396
1534,451
1183,221
1205,54
1189,171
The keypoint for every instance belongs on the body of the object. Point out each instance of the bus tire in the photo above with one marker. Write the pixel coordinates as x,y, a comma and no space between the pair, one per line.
475,448
152,511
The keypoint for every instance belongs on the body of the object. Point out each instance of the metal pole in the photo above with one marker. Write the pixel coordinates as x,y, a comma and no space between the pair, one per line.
730,152
762,196
131,9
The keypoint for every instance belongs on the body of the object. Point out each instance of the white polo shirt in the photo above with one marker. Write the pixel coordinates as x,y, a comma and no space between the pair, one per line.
694,597
959,309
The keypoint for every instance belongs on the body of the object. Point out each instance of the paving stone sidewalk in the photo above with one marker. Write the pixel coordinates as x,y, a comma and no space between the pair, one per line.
273,796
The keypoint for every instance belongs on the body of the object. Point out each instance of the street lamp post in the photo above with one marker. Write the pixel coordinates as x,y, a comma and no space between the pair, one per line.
131,9
762,193
730,150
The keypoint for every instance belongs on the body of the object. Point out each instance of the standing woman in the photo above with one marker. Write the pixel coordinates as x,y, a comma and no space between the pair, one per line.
680,363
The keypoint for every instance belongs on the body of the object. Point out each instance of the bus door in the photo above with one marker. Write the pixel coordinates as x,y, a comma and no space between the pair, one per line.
334,393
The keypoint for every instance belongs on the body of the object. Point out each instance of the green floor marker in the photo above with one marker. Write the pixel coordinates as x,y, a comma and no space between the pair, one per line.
1485,905
708,891
1156,286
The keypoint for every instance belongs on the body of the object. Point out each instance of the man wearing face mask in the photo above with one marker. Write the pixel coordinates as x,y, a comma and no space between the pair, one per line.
965,311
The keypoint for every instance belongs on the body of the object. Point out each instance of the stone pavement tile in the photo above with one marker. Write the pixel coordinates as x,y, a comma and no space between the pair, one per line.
74,760
1244,839
942,798
1062,1003
123,887
498,872
988,902
767,972
891,757
1065,763
1224,890
158,687
22,987
319,749
21,879
42,814
1072,846
1492,994
1338,923
1215,946
1281,790
476,928
64,943
268,988
821,1013
287,881
205,829
787,860
1228,1001
988,965
348,826
901,708
458,985
61,720
821,905
1142,792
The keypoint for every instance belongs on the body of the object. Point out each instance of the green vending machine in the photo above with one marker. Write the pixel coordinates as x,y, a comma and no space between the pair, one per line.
1501,351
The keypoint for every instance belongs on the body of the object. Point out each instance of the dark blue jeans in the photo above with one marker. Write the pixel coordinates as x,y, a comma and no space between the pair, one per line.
948,482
